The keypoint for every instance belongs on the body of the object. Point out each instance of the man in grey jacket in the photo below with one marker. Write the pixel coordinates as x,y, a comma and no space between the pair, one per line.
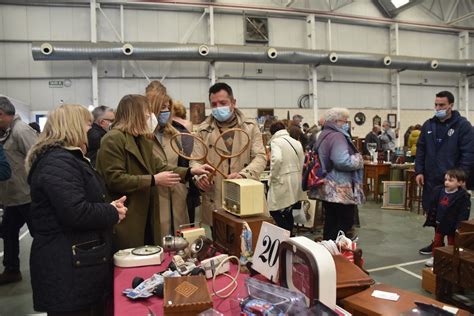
388,137
17,138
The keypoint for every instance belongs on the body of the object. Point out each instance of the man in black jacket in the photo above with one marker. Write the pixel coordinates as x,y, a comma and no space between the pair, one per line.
103,119
446,142
372,137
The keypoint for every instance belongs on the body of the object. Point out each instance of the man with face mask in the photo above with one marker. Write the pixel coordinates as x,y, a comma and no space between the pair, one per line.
103,119
445,142
249,164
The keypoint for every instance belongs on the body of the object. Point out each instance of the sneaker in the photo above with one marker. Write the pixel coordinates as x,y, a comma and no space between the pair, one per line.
10,277
428,250
429,262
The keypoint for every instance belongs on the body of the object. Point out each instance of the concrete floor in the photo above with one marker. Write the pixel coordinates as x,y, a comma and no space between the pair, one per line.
390,240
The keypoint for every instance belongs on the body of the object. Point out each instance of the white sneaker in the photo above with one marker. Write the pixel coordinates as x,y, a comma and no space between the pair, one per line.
429,262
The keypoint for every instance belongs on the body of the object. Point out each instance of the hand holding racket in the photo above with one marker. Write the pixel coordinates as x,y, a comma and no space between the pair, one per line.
192,147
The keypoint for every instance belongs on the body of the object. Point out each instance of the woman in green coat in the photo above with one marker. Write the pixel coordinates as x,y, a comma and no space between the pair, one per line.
127,164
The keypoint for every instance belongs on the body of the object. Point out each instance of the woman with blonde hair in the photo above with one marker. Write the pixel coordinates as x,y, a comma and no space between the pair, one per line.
128,166
173,208
71,250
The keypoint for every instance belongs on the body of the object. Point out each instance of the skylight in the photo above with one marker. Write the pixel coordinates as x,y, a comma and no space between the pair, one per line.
399,3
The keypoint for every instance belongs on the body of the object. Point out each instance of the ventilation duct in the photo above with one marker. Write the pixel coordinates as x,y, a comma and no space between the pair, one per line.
234,53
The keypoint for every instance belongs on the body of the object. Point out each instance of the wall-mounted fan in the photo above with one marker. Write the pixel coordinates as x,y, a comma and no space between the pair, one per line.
256,29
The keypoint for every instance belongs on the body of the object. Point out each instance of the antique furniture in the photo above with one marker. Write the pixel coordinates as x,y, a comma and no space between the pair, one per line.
373,174
413,192
364,303
454,268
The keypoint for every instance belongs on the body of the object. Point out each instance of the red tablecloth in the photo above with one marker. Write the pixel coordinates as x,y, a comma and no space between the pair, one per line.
124,306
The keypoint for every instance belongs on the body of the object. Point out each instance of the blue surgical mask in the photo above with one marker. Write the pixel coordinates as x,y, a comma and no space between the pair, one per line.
345,127
441,114
163,118
222,113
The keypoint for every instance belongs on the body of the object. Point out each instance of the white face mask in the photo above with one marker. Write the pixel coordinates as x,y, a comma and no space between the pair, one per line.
152,123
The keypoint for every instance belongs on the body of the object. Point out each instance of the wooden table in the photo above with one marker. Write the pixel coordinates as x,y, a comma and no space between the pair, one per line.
364,303
374,171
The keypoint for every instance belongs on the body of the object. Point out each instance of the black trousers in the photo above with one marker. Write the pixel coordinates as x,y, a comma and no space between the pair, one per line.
14,217
284,218
97,309
337,217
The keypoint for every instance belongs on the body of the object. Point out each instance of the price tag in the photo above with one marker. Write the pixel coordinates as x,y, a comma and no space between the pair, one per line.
267,250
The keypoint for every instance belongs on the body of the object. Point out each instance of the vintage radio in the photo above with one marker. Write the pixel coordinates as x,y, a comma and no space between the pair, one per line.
243,197
227,229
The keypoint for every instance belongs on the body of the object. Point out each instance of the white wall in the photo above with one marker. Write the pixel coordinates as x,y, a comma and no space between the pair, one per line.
355,88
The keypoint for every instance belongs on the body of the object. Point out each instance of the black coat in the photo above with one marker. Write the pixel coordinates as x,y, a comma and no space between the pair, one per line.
94,136
455,151
457,211
70,260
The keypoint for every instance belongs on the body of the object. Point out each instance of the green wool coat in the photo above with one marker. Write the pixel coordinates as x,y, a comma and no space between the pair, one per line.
127,164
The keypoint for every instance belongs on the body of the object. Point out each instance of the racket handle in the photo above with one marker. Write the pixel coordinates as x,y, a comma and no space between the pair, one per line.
213,174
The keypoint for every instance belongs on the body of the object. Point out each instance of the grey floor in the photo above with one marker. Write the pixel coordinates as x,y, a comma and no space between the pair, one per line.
390,240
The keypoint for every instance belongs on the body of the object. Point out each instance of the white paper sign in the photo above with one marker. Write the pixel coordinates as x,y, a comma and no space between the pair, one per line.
267,251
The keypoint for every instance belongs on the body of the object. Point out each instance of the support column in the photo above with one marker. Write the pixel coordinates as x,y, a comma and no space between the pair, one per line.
313,74
212,66
463,85
95,75
395,78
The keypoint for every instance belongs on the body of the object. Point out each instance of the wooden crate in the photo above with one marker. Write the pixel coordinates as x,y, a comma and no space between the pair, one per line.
428,280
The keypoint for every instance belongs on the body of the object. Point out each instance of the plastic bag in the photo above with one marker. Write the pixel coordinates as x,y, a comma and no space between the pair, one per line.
301,214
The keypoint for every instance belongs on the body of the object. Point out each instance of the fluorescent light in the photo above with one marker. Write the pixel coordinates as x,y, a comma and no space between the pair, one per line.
399,3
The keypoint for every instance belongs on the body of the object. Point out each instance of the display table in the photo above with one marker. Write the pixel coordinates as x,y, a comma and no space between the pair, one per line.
374,172
123,279
364,303
350,279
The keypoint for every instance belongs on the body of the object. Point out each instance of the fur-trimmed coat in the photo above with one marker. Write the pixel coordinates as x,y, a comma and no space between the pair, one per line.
71,253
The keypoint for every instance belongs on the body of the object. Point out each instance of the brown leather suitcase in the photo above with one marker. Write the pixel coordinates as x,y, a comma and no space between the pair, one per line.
350,278
227,229
467,226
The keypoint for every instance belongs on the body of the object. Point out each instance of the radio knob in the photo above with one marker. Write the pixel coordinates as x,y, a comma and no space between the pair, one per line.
234,207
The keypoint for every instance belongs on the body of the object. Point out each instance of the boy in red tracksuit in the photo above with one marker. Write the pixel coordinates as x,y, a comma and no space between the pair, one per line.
450,205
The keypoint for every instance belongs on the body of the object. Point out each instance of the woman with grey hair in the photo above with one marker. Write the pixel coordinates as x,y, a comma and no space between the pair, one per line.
343,166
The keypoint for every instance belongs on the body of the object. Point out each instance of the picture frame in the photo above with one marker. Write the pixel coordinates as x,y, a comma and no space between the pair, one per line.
392,118
394,195
377,120
197,112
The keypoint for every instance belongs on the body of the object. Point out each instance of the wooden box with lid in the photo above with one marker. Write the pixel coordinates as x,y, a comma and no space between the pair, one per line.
187,295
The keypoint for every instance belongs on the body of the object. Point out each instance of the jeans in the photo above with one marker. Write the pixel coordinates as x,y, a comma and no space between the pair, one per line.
14,217
337,217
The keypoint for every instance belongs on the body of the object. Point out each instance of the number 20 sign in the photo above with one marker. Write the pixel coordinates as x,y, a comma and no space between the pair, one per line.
267,250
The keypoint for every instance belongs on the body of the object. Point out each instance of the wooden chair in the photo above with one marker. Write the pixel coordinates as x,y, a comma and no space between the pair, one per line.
413,193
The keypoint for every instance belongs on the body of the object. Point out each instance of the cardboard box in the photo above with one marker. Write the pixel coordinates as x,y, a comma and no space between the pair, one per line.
428,280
